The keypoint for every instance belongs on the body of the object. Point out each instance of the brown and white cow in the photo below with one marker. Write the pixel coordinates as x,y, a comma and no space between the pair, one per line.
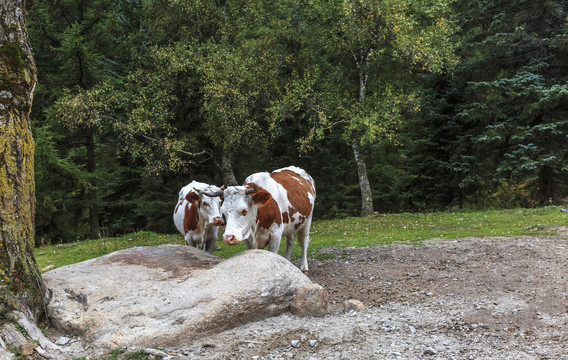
197,216
269,206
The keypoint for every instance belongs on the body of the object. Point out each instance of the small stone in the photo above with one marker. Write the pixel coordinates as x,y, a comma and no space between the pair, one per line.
314,343
396,354
353,305
412,329
295,343
430,351
310,300
62,341
47,268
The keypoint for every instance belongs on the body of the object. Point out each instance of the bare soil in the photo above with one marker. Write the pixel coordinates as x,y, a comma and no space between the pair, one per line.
470,298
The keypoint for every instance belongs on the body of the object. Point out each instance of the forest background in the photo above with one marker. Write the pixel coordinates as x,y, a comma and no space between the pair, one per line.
391,106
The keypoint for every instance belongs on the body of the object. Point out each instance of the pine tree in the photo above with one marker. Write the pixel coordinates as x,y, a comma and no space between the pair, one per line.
496,130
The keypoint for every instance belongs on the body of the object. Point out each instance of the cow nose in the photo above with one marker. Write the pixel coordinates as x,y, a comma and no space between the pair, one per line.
218,221
229,239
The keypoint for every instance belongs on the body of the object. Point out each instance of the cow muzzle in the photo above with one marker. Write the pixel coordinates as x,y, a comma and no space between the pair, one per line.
218,221
230,240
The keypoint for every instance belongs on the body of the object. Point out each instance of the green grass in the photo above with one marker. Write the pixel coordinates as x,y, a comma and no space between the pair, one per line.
70,253
352,232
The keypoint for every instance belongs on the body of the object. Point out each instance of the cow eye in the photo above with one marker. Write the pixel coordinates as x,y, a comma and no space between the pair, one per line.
205,204
244,212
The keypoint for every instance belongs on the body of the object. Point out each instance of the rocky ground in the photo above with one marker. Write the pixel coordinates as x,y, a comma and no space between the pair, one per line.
471,298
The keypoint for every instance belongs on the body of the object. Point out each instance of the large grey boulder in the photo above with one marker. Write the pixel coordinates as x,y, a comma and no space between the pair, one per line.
167,295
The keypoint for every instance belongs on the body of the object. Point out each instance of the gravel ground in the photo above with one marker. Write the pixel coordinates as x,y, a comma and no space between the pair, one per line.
470,298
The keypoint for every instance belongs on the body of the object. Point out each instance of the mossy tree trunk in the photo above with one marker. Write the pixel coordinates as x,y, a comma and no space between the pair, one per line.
21,285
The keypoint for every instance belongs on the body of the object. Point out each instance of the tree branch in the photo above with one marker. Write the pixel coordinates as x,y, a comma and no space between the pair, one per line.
203,152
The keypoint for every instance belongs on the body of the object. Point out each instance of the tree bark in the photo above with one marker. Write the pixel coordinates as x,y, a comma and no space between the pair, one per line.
362,62
366,193
93,196
227,173
547,187
21,286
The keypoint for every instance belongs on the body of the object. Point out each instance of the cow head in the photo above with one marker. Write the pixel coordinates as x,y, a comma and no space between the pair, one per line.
239,208
209,206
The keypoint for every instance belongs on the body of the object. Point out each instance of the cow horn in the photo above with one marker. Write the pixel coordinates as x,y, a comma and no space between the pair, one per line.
252,190
210,194
213,194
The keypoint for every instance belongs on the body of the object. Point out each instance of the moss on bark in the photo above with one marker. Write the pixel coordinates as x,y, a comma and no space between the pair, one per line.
20,281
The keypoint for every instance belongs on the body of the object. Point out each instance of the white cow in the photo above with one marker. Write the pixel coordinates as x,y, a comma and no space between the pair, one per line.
269,206
197,216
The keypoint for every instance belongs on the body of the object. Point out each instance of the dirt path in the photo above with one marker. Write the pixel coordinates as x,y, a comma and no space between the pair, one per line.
471,298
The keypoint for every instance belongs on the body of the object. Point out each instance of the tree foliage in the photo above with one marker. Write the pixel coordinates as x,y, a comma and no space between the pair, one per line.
509,124
445,103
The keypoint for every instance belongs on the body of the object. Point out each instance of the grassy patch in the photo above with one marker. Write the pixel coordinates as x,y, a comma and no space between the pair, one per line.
353,232
414,228
70,253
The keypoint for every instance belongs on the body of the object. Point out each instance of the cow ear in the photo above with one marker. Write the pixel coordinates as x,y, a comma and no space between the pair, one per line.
260,197
192,197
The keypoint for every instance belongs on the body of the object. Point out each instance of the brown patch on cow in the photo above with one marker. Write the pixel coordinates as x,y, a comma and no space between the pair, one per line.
261,196
177,207
192,197
268,213
301,220
298,189
191,216
285,218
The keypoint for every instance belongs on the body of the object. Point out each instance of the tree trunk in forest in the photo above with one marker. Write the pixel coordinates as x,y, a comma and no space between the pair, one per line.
362,62
547,188
229,178
21,286
366,193
93,198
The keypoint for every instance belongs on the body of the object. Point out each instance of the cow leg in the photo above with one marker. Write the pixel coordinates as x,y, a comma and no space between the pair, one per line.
289,244
274,242
210,239
189,241
210,245
304,240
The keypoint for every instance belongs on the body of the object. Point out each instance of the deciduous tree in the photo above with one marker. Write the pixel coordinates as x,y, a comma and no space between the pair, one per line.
369,53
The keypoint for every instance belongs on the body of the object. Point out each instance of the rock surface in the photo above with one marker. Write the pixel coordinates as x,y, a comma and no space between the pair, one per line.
310,300
167,295
5,355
